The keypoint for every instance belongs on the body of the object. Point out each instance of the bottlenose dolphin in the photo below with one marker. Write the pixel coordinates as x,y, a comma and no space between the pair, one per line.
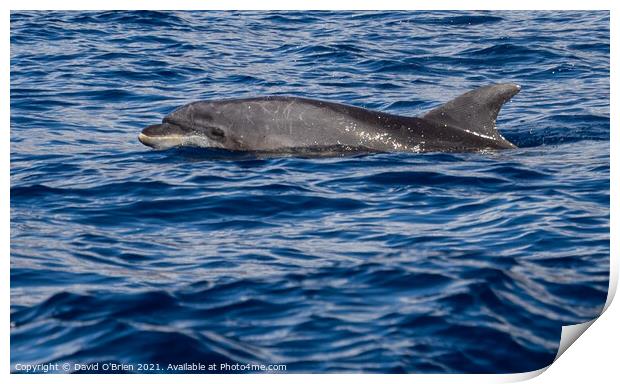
283,124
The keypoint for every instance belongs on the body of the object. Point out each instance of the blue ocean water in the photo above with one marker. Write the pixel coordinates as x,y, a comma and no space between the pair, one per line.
392,262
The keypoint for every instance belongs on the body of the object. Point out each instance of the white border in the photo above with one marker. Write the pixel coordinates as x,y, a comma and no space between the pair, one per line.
593,357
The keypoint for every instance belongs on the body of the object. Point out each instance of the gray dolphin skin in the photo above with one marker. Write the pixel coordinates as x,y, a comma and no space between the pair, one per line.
283,124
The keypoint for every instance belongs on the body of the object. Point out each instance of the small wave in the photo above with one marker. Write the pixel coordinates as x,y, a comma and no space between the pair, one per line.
461,20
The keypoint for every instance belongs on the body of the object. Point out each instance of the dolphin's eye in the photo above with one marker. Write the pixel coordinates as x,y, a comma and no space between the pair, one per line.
215,133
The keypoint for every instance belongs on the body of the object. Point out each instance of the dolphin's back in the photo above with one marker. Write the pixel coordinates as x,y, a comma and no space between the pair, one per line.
274,122
463,124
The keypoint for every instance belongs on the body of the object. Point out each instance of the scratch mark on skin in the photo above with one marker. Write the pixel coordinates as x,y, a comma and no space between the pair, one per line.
287,109
247,116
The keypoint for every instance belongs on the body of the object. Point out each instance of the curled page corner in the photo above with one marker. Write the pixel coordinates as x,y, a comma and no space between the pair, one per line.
570,333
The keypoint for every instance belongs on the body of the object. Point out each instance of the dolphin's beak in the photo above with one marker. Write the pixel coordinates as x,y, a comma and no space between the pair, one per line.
146,140
162,136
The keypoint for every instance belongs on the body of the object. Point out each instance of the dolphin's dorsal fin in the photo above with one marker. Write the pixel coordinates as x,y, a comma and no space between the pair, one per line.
475,111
